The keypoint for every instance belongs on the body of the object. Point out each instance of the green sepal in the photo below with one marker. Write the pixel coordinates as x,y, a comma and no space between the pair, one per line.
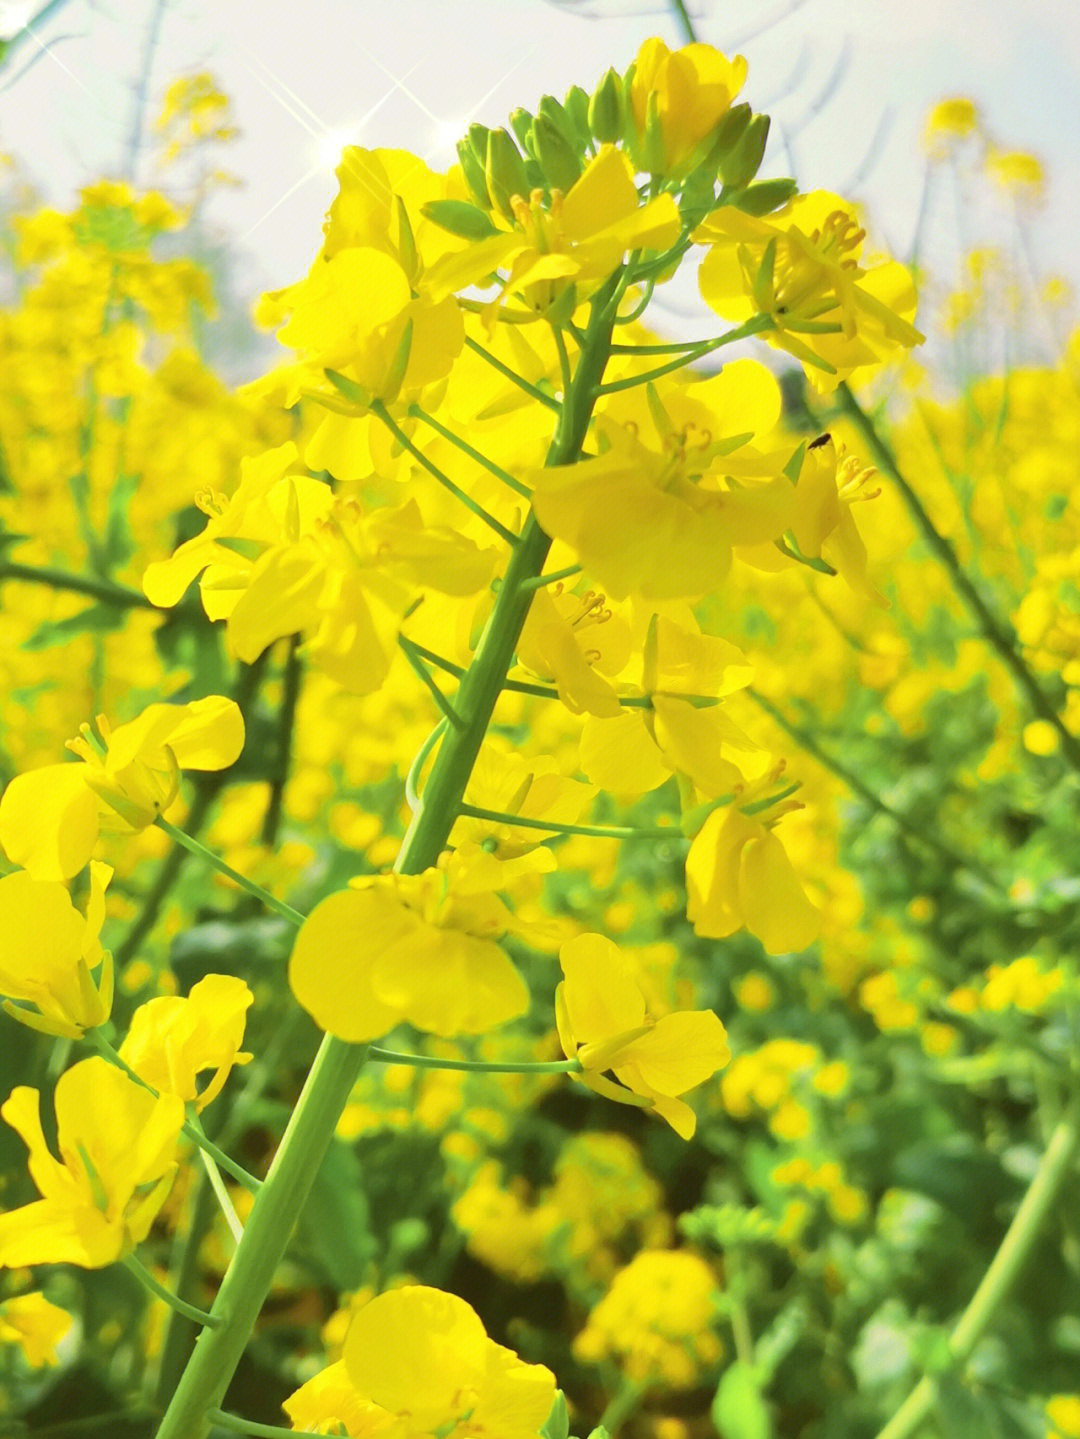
561,309
459,217
410,260
352,391
396,375
793,468
652,142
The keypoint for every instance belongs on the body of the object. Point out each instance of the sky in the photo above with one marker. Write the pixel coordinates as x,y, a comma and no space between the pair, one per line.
848,85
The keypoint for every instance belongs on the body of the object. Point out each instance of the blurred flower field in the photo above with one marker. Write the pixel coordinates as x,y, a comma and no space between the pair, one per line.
538,893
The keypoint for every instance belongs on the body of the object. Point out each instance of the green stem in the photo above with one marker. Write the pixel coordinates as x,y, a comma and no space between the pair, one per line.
412,779
189,1311
596,831
540,396
1005,1268
482,1066
194,846
682,15
622,1404
753,326
416,664
191,1127
541,580
805,739
337,1064
1000,636
379,410
291,685
481,459
522,687
104,591
237,1425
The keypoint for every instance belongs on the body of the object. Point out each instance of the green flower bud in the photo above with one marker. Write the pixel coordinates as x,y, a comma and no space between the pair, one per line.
458,217
521,124
576,106
557,159
504,171
473,170
741,163
607,109
764,197
478,138
731,128
554,113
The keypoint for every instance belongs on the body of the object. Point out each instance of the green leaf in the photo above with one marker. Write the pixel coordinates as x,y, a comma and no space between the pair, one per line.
334,1226
739,1411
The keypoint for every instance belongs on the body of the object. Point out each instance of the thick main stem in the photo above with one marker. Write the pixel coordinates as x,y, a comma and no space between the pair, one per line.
217,1352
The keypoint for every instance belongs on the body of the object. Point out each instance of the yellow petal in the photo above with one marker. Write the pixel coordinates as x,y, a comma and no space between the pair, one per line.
773,901
331,962
417,1351
207,734
681,1050
600,992
49,821
621,756
448,982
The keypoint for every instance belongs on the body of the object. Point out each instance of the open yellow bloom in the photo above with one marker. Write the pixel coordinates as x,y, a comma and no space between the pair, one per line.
640,748
738,873
656,1319
47,950
37,1326
693,89
419,949
581,239
172,1039
801,267
417,1362
287,556
50,817
602,1020
99,1199
662,525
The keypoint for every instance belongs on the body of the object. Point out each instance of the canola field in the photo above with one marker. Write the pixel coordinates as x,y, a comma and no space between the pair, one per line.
539,857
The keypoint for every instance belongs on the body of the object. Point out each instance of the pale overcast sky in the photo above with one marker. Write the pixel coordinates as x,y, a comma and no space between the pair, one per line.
848,83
